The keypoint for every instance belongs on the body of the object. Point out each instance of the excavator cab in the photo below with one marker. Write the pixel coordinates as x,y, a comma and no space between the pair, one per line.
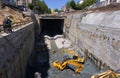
118,73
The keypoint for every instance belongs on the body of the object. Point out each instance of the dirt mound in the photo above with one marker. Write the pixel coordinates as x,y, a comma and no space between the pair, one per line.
6,11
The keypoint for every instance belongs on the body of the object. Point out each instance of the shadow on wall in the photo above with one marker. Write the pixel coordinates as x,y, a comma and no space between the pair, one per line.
40,61
36,24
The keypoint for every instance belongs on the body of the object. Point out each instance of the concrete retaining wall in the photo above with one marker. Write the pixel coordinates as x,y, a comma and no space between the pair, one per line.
99,33
15,50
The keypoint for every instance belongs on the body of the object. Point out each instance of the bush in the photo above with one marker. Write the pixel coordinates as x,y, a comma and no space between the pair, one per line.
40,6
31,6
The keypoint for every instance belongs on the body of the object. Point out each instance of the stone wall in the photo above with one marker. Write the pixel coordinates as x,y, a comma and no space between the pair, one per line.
15,50
36,22
97,33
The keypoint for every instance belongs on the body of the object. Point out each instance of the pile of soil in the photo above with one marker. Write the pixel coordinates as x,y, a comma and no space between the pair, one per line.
6,11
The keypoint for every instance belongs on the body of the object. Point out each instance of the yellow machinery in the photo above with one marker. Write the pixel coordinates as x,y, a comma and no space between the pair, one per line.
76,63
69,51
107,74
76,57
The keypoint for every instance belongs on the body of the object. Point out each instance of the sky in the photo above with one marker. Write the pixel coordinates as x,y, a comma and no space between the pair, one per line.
56,3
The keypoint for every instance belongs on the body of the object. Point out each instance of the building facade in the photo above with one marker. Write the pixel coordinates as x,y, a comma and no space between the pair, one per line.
23,2
8,2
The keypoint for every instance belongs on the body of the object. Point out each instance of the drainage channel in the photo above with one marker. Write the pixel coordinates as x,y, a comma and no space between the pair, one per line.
41,63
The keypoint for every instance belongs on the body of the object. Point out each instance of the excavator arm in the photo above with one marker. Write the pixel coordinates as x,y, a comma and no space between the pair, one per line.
107,74
76,63
69,51
76,66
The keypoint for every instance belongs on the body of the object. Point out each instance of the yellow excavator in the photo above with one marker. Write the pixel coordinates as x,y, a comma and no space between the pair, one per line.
107,74
76,63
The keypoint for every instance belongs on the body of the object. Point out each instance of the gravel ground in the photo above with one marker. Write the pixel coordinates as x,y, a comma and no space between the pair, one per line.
43,59
67,73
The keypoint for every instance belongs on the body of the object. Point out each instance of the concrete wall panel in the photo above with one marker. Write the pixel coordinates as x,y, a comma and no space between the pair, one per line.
99,33
15,50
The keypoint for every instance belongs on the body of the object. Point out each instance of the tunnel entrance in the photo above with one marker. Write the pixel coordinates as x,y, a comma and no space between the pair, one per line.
51,26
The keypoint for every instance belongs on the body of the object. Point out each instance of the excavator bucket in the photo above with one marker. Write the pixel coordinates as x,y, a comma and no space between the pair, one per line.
58,65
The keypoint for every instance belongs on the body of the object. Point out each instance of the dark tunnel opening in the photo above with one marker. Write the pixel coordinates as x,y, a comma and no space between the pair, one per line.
52,27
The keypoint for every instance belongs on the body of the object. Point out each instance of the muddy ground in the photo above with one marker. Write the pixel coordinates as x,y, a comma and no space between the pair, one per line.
43,59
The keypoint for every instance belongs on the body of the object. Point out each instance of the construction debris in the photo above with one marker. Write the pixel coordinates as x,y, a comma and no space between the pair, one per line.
63,43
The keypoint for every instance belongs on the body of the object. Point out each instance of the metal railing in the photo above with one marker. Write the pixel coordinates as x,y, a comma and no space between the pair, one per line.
15,25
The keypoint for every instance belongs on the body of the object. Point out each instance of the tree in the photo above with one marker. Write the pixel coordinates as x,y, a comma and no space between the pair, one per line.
76,6
31,6
55,10
87,3
70,4
41,7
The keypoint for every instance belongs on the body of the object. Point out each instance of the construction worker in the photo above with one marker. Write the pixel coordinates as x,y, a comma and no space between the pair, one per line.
7,25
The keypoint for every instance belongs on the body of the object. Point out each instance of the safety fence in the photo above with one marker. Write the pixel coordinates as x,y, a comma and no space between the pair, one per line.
15,25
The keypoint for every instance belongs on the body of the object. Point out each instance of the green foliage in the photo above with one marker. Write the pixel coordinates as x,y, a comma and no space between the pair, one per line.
70,4
87,3
31,6
41,7
49,10
55,10
76,6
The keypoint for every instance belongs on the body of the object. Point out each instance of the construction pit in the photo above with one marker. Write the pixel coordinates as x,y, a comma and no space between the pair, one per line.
97,40
49,48
44,57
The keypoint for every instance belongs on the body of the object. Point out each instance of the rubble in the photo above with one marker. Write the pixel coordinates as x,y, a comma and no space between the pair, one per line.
62,43
6,11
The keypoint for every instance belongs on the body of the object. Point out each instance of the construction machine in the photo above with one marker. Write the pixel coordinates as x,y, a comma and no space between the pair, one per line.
75,63
69,51
107,74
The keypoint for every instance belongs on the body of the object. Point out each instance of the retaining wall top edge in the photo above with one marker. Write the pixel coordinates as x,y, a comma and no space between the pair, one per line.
5,34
